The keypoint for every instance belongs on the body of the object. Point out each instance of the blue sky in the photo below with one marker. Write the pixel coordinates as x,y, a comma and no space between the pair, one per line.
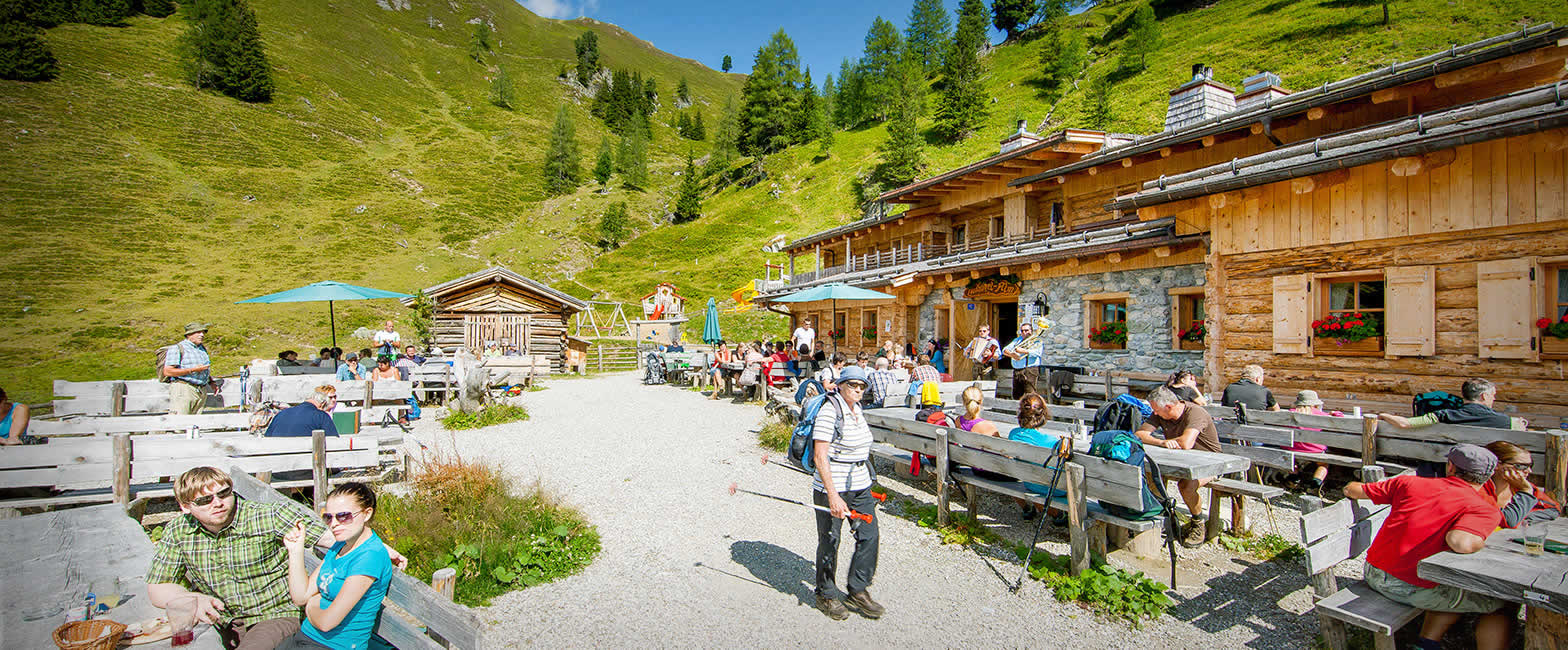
825,31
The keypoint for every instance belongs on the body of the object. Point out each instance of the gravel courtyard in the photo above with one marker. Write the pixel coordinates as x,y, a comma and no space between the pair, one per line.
686,565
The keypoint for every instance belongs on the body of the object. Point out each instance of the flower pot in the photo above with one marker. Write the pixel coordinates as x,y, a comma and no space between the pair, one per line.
1097,345
1191,345
1551,345
1371,346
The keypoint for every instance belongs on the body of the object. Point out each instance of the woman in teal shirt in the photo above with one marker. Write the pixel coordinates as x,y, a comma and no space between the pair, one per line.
342,599
1033,412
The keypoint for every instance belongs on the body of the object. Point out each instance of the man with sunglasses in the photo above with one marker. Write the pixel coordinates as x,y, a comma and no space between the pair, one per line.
228,554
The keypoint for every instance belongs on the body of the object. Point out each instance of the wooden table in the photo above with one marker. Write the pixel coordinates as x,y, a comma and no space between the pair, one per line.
1186,463
728,370
52,559
1503,570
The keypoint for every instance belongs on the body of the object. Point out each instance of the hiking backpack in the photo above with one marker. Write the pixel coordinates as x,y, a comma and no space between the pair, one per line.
163,358
1433,401
655,373
801,438
1117,415
1124,447
808,389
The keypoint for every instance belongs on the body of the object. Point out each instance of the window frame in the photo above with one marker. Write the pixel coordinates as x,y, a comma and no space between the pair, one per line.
1321,285
1093,315
1183,300
1550,347
874,313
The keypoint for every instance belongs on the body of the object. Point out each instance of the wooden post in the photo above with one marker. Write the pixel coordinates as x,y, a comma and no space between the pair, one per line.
318,465
1108,394
1324,585
1077,519
117,399
370,393
1557,464
122,465
1211,528
264,477
444,581
1368,440
941,478
600,348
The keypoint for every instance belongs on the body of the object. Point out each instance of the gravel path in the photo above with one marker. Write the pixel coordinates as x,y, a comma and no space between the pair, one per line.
685,564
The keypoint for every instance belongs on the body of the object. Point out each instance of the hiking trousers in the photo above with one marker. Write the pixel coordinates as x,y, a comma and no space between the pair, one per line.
863,563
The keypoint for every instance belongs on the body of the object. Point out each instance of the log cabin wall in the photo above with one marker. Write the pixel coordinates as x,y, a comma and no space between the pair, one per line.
1474,239
545,319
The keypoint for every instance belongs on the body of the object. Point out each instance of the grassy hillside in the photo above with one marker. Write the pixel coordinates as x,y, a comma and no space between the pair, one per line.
1307,42
138,204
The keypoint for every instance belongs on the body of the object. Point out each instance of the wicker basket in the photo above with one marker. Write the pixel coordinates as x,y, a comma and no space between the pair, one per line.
102,634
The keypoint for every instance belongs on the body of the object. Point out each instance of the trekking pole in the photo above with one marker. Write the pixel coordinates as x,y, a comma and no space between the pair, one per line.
859,516
1061,454
768,460
1267,507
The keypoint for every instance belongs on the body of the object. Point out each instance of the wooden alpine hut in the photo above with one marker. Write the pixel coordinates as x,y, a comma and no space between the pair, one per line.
499,306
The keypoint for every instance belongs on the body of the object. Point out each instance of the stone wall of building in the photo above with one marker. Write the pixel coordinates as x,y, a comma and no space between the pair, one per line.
1148,319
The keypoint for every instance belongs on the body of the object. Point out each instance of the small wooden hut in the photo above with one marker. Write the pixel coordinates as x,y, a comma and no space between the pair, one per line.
497,305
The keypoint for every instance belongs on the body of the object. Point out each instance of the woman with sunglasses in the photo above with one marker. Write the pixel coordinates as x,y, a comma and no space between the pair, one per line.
342,599
1521,502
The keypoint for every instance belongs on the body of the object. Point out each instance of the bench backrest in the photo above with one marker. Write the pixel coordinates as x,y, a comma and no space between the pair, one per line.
128,396
102,426
306,370
1339,532
69,463
296,389
455,623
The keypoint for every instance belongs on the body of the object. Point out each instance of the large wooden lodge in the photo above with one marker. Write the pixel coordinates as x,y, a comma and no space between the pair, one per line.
1429,194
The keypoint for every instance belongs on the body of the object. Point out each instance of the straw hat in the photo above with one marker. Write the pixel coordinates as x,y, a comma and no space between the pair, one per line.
1308,398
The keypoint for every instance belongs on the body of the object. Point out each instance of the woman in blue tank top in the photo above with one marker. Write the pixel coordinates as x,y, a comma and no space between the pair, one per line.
342,599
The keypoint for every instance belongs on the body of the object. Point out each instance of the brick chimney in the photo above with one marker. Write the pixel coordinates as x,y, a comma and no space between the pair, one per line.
1021,138
1261,87
1199,99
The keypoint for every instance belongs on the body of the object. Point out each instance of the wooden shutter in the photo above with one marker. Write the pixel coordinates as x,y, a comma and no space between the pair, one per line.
1410,319
1292,314
1506,307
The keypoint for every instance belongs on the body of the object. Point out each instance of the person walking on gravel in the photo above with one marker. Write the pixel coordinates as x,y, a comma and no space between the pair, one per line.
841,449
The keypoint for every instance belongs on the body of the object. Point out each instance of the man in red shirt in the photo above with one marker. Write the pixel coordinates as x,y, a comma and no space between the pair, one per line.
1428,516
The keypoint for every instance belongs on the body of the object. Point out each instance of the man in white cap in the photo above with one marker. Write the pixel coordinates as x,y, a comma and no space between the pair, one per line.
188,370
1428,516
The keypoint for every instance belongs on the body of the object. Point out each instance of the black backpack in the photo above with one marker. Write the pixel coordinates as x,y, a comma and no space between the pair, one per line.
1433,401
1117,415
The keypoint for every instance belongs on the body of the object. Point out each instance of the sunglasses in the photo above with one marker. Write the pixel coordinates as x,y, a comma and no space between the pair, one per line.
1523,466
855,385
220,494
342,517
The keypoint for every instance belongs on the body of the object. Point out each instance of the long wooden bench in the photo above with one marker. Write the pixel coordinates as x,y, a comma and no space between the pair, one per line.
122,467
121,397
436,614
109,425
1334,534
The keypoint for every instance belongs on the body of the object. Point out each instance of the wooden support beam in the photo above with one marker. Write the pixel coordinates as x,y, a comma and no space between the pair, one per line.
1256,128
930,279
1557,464
1316,113
882,226
1127,162
1217,201
318,465
1004,270
941,478
1165,152
1303,185
1061,179
1412,165
1071,262
1093,171
974,274
444,581
1369,440
1077,519
1399,93
1114,258
949,277
1034,266
122,467
1162,251
1208,141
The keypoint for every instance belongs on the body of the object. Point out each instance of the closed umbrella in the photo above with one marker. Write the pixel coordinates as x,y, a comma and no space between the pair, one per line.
834,291
710,324
330,292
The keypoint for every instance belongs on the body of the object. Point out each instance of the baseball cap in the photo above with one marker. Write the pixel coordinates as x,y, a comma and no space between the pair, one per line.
852,373
1473,459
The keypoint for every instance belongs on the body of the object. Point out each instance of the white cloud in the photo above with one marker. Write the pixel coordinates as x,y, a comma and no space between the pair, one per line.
560,8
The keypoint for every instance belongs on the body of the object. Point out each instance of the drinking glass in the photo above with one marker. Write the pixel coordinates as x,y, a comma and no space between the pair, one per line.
107,591
182,620
1535,539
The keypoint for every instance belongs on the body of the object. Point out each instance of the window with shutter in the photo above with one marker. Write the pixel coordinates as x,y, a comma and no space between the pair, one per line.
1506,304
1412,332
1292,326
1553,325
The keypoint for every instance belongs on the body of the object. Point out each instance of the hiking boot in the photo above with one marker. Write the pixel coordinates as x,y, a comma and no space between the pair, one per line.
1028,513
832,607
1311,484
861,602
1194,534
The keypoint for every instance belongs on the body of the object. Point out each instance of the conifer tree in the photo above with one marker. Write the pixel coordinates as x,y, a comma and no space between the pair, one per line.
805,130
878,63
249,77
563,170
1012,16
770,97
635,175
479,41
502,93
683,125
23,55
623,155
102,12
903,152
46,13
688,204
728,64
962,105
604,165
1099,110
1143,37
158,8
1063,55
726,138
683,92
587,47
698,131
850,109
829,102
929,33
221,48
614,225
1052,12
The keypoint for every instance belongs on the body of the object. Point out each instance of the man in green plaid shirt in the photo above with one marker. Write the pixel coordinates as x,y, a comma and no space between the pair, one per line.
228,554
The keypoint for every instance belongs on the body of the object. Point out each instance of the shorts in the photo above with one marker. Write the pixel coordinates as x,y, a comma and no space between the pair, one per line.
1442,598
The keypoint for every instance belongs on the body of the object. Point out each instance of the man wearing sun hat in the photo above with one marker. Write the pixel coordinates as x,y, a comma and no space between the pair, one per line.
1428,516
188,370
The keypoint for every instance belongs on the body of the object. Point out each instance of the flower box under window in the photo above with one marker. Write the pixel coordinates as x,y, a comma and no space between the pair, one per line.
1351,317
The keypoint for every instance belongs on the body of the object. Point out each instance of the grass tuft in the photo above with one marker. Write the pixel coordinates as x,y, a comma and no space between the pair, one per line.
774,434
488,416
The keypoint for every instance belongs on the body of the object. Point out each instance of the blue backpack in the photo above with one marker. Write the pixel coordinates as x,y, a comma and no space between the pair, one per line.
1125,447
1434,401
809,389
800,439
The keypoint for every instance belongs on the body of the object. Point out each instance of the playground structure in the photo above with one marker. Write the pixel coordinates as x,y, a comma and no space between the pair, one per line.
742,296
614,323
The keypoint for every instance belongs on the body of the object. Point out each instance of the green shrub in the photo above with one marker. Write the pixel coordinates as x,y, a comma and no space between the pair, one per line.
464,515
961,529
774,435
488,416
1112,592
1264,547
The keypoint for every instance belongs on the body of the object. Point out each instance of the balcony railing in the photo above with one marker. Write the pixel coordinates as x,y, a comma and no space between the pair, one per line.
916,253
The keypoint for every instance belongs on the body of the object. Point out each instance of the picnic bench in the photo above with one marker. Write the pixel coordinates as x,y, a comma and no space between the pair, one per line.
516,369
1338,533
1503,570
433,377
121,397
59,555
416,612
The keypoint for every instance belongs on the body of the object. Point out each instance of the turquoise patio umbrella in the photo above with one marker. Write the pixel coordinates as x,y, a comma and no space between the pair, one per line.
834,291
329,291
710,324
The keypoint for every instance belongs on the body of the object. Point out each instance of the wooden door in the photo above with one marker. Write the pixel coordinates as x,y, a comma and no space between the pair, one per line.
512,329
967,319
